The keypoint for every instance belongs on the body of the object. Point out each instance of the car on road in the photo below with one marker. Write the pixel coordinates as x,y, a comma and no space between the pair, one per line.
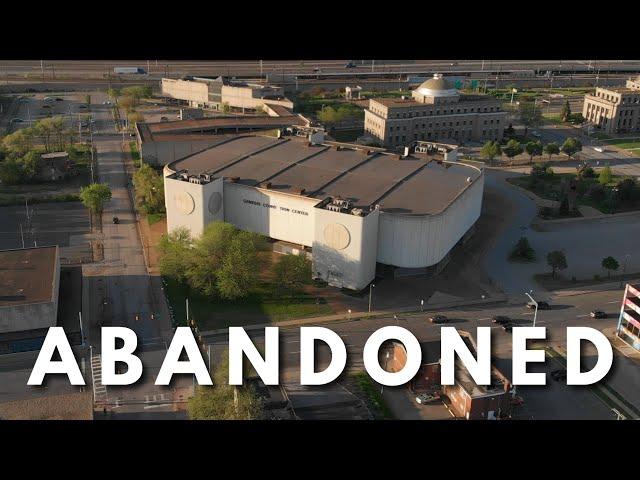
16,120
599,149
424,398
82,107
350,65
541,305
517,401
48,99
438,319
116,220
560,374
500,319
106,102
58,99
598,314
164,119
46,106
317,70
536,134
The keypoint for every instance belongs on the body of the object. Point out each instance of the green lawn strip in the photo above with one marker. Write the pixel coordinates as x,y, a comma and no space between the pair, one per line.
262,306
19,199
598,387
370,390
155,217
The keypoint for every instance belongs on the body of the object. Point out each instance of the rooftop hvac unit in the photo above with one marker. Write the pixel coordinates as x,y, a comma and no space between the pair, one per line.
334,208
357,211
196,180
183,176
266,185
299,191
207,177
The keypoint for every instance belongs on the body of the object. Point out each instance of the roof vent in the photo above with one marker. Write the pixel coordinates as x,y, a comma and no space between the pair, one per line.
266,185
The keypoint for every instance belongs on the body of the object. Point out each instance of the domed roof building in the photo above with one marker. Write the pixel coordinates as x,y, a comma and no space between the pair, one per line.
436,112
436,87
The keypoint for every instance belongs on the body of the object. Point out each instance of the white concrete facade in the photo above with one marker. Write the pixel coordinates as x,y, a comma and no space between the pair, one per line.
345,246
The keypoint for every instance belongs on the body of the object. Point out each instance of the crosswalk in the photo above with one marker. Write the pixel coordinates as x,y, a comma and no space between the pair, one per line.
99,390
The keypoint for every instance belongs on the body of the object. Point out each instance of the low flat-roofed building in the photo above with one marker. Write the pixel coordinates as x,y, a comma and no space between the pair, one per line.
29,286
351,206
161,143
614,109
436,111
218,92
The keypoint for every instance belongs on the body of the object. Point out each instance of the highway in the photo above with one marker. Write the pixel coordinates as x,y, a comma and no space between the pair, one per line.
48,69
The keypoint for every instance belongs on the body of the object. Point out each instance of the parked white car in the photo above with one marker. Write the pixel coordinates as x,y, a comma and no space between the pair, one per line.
599,149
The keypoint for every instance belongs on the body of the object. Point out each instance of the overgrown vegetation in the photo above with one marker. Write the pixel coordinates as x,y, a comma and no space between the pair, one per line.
523,251
149,190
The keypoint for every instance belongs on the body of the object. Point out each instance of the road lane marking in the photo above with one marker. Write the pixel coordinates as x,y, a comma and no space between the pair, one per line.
528,313
585,315
615,301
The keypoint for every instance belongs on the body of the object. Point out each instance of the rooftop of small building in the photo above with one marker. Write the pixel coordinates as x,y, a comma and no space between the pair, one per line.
419,184
152,131
27,275
411,102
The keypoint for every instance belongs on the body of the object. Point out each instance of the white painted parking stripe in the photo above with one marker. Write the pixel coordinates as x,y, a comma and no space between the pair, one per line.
615,301
585,315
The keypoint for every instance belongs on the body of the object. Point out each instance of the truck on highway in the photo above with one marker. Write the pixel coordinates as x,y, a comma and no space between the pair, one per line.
134,70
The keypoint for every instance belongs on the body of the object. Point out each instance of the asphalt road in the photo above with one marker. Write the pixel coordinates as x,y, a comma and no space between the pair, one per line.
47,70
553,401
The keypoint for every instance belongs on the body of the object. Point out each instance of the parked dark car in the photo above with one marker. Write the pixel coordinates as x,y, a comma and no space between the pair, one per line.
116,220
438,319
541,305
500,319
598,314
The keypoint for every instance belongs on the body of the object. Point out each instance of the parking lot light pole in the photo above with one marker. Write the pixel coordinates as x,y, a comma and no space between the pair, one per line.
371,287
535,313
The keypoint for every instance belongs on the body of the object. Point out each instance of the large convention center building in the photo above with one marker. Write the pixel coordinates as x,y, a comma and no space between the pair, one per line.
351,207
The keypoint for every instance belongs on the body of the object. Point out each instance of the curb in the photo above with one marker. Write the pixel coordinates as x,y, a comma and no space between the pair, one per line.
360,316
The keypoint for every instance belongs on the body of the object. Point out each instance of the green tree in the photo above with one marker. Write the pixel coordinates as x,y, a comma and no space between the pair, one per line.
530,114
557,261
238,275
222,401
512,148
534,149
609,264
523,251
11,171
149,190
87,99
19,142
571,146
566,112
552,149
134,117
114,93
31,164
128,103
94,197
175,249
292,271
606,176
490,150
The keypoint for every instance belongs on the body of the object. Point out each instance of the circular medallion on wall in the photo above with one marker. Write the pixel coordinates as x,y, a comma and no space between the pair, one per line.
215,203
337,236
184,202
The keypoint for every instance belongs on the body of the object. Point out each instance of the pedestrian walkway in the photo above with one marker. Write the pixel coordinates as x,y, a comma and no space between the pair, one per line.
99,390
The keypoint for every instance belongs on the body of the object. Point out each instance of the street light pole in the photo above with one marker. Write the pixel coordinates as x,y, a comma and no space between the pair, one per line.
535,313
371,286
81,329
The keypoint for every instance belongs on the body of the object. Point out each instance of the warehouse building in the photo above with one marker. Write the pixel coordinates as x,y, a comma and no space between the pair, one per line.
351,207
29,286
614,109
161,143
218,92
436,111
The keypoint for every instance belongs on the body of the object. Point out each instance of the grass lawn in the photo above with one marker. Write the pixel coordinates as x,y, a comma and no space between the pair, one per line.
625,143
553,118
369,390
155,217
265,305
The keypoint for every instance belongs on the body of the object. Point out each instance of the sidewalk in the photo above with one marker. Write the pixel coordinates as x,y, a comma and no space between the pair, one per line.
587,289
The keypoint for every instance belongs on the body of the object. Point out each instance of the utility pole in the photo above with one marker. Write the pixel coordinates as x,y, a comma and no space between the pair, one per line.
373,64
81,329
535,314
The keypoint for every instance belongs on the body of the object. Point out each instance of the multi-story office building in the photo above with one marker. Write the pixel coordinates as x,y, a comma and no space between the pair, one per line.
208,92
437,112
614,109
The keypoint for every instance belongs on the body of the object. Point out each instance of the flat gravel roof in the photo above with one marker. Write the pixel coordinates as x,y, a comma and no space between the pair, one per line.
27,275
418,184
